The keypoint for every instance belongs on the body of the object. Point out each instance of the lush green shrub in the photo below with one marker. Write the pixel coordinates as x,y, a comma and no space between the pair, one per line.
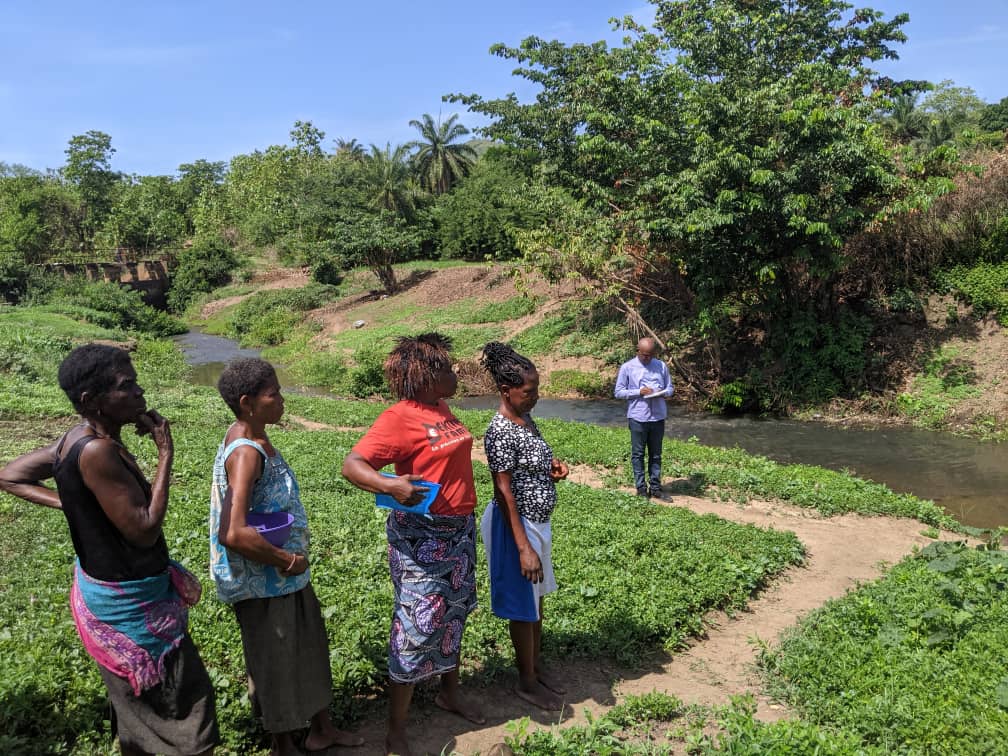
807,360
983,286
366,378
268,317
15,274
103,303
327,271
207,264
579,382
477,219
324,369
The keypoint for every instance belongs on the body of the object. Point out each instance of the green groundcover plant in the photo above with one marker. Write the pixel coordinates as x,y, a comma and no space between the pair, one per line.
636,579
916,662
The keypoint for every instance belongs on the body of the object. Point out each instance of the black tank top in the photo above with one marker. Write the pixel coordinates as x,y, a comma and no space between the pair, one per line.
103,551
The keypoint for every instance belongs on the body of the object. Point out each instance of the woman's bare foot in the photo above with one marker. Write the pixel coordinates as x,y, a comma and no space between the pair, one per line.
553,683
283,745
541,696
397,744
466,710
332,736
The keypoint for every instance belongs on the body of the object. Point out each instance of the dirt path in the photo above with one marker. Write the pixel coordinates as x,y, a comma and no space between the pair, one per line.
842,552
281,278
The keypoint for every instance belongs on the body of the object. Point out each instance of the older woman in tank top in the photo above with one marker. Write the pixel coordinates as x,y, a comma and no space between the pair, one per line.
161,695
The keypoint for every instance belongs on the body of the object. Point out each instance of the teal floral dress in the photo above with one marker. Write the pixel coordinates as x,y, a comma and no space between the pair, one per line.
236,577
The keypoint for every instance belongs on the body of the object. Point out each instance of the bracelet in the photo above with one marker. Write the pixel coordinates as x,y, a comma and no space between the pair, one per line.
289,566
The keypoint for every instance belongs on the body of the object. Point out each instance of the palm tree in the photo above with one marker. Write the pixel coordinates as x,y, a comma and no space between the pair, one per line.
440,163
389,179
905,121
350,148
939,131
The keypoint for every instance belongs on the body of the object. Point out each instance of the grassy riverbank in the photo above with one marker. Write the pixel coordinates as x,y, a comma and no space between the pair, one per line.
945,374
637,579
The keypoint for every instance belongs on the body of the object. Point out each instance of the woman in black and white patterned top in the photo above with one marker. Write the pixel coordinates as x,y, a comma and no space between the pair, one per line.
521,449
516,524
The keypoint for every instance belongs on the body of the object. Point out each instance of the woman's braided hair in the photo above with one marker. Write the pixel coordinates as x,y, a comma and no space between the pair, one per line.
505,365
413,366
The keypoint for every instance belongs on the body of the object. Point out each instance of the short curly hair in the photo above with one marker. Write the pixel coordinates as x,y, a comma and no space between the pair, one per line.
249,376
91,369
413,366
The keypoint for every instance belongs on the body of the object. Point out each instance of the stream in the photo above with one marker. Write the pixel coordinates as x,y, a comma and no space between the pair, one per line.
968,478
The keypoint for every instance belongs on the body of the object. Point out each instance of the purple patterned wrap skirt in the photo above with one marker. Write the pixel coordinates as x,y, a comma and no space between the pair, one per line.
432,562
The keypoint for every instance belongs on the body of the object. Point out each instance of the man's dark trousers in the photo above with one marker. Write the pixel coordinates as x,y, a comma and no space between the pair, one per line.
648,435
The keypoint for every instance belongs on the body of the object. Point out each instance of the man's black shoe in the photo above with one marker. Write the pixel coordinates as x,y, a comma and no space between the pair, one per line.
643,492
656,491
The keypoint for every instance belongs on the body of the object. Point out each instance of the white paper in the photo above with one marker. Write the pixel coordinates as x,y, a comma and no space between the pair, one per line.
664,392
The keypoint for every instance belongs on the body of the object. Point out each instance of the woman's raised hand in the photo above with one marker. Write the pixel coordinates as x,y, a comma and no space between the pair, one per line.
151,422
558,470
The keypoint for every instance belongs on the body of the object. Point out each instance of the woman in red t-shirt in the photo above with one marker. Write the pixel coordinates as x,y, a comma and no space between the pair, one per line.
432,559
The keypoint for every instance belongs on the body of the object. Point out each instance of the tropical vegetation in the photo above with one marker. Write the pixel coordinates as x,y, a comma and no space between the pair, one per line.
931,633
735,178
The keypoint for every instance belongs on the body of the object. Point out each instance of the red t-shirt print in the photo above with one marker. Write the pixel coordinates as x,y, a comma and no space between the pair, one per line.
425,440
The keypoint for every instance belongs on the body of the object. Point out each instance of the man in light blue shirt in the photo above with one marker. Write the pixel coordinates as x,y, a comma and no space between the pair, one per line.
644,382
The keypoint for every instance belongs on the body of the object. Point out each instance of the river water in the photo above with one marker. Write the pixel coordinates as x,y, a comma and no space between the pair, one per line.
968,478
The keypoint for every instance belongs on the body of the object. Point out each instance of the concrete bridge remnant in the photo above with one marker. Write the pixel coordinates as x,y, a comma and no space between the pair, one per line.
149,277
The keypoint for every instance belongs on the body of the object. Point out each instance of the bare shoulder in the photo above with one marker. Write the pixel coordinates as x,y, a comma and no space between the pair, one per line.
98,449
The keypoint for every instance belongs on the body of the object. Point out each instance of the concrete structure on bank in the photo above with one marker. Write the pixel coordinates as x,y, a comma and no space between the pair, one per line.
149,277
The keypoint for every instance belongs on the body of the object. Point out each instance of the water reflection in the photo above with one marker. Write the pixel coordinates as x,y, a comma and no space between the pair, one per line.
968,478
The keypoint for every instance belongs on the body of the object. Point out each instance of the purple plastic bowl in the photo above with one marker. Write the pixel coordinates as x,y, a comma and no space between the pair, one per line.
275,527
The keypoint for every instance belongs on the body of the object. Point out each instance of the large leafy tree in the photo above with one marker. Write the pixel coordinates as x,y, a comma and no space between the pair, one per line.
89,169
905,122
729,149
961,107
37,222
148,215
440,159
376,241
307,139
995,116
199,187
257,194
480,216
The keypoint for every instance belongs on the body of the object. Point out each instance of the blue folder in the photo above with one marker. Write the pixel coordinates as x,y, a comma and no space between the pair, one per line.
388,502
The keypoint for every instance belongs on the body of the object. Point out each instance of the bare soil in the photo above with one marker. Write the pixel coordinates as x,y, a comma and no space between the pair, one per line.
980,347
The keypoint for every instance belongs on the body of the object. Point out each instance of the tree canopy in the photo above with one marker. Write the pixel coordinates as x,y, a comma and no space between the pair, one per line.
731,145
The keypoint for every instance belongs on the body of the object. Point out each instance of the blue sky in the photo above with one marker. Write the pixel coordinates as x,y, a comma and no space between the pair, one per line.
173,82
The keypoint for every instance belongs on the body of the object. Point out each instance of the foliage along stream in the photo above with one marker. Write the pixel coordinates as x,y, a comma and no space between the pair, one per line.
968,478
